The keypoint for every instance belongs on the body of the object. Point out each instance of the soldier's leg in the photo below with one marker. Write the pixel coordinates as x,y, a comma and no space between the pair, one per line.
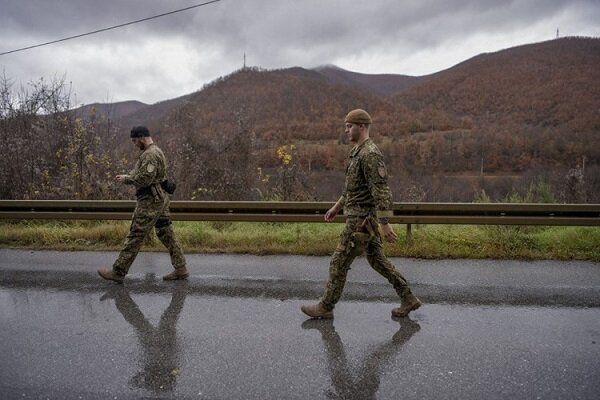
345,253
144,218
339,266
166,234
379,262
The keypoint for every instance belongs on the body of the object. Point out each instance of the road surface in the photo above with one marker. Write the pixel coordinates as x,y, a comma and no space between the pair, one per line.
489,329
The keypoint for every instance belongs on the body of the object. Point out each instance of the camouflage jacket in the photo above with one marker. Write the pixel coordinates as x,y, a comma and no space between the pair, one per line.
150,169
367,191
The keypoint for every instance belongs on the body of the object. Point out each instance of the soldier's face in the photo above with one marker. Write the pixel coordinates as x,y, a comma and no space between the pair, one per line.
137,142
353,132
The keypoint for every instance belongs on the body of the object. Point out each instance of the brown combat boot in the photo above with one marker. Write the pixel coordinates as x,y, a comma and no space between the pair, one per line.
177,274
409,303
316,311
111,275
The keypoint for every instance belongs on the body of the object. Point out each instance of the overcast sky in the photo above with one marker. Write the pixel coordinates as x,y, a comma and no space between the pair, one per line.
177,54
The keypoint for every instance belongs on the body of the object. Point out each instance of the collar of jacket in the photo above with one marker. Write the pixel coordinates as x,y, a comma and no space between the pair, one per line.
356,149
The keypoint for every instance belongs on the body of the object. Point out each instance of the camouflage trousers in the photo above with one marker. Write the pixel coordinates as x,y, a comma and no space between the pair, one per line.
356,239
149,213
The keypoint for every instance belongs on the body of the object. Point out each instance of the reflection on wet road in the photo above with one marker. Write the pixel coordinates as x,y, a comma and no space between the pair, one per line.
64,334
120,344
159,351
365,383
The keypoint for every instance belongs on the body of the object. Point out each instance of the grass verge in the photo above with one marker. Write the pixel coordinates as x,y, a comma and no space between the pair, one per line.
429,241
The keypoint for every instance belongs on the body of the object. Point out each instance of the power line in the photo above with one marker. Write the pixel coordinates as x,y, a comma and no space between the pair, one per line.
109,28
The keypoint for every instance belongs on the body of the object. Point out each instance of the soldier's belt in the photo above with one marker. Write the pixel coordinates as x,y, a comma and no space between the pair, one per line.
361,214
144,191
147,191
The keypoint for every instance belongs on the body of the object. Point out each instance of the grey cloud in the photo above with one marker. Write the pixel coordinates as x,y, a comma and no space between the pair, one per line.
277,24
24,23
273,34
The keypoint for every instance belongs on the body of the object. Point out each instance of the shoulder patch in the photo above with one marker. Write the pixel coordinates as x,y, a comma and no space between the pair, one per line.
381,169
150,168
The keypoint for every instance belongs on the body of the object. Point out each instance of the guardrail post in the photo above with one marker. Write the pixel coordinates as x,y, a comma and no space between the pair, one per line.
409,237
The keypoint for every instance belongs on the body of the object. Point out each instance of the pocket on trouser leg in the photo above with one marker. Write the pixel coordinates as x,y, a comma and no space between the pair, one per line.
358,243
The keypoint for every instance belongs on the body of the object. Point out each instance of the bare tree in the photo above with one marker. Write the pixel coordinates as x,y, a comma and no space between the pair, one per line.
47,151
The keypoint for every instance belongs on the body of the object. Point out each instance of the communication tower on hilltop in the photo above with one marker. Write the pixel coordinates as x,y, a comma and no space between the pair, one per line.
557,33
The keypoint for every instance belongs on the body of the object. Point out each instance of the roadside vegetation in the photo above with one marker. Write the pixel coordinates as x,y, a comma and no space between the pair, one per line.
428,241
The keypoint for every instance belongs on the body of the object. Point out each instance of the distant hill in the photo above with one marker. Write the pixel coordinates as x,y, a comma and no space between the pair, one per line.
520,124
113,110
151,113
130,113
385,84
533,107
546,85
289,103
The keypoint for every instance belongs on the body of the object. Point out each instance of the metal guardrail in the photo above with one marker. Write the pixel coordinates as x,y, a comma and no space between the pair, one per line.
264,211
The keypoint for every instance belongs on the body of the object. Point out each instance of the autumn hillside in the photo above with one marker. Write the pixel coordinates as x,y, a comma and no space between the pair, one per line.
283,105
519,112
112,110
386,84
549,85
506,122
235,126
554,84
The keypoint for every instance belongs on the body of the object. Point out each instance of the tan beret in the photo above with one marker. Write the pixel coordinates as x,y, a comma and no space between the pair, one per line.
358,116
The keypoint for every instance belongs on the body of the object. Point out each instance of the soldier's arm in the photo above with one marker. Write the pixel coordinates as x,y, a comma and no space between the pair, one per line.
146,172
340,203
333,211
376,176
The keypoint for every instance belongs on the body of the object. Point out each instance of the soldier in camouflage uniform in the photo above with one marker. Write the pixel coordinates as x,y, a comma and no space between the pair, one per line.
367,204
152,210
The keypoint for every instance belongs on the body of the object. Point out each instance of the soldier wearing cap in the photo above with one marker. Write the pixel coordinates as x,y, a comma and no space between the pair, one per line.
367,205
152,209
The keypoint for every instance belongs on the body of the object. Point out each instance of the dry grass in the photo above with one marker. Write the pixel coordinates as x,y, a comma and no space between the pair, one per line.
429,241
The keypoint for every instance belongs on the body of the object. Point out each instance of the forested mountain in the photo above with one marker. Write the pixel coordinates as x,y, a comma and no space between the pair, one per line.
386,84
545,85
499,122
113,110
535,105
288,104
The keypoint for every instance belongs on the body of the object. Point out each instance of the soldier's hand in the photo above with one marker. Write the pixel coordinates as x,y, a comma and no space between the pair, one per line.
330,214
388,233
120,178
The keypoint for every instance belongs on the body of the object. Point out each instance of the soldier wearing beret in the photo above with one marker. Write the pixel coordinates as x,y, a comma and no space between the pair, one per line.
152,209
367,204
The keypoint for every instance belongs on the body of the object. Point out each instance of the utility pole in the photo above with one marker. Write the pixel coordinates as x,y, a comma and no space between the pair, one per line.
557,33
244,60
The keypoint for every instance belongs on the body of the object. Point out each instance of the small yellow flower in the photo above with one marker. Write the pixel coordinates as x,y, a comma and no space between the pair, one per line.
284,153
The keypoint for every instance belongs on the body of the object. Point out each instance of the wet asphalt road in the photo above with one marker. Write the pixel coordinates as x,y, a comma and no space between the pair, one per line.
489,329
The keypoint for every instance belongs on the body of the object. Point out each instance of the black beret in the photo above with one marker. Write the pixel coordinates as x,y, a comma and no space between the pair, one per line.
139,131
